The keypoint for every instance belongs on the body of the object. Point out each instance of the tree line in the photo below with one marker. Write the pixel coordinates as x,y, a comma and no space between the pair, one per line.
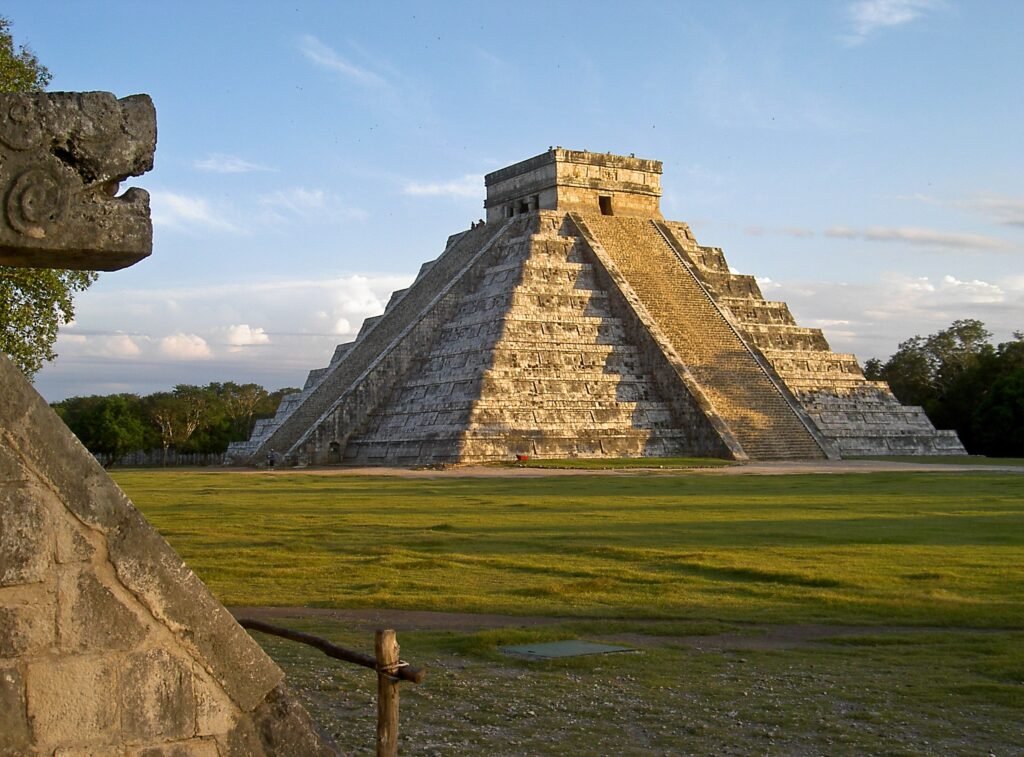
187,419
964,383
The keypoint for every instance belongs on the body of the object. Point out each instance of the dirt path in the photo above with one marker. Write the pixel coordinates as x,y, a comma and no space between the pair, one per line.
747,636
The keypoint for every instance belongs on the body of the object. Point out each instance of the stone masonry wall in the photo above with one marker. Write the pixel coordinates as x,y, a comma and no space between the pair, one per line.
109,644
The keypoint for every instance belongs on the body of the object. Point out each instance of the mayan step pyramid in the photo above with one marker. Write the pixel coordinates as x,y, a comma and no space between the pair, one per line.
577,322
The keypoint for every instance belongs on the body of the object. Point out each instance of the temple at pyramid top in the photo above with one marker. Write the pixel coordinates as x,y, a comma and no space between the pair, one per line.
578,322
575,180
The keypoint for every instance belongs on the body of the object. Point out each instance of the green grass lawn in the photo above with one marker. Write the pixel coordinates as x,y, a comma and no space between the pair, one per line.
685,568
897,548
948,459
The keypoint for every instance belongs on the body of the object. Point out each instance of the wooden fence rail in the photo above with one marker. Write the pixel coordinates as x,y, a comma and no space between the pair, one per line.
390,671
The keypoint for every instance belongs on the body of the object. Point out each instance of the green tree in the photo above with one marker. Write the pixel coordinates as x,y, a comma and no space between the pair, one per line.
34,303
178,414
112,425
925,369
20,70
873,369
997,412
966,384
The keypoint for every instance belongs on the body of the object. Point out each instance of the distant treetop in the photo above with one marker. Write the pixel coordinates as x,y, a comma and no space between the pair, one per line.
20,70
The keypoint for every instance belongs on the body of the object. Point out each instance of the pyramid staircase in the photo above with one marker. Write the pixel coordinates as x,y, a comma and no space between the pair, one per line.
765,421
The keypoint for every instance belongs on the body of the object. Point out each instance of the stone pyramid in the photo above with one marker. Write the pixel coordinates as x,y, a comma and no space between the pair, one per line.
577,322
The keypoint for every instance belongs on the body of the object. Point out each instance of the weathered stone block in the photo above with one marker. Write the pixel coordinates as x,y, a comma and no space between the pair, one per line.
74,543
25,537
279,726
156,697
73,700
215,713
14,731
62,155
93,617
27,624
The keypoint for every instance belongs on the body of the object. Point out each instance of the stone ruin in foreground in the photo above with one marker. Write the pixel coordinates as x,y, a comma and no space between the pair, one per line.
578,322
109,644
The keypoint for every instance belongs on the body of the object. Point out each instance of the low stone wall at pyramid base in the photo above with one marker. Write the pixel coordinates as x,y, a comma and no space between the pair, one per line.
870,421
109,644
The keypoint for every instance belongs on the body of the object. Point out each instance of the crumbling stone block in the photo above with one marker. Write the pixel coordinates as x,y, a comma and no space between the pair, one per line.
146,661
93,617
26,622
190,748
14,730
62,157
25,536
69,699
156,697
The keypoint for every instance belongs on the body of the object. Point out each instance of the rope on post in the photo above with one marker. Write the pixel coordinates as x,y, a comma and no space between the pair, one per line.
404,671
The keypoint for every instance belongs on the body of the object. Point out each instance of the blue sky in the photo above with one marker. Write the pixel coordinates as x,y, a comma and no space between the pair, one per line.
862,158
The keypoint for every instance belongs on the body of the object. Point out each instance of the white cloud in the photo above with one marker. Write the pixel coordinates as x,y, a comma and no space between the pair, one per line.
920,237
243,335
788,231
974,290
321,55
121,346
209,333
869,16
871,319
1005,210
181,346
190,213
470,185
221,163
309,203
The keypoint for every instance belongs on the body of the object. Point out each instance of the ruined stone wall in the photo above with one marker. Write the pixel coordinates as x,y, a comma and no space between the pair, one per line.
109,644
575,180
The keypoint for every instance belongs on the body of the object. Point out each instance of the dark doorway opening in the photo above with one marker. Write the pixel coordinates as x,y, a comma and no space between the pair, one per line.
605,203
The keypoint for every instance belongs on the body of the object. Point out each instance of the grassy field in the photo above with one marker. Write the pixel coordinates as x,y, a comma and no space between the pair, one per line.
714,580
925,548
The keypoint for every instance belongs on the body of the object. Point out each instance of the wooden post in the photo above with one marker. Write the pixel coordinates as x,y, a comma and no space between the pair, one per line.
386,649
